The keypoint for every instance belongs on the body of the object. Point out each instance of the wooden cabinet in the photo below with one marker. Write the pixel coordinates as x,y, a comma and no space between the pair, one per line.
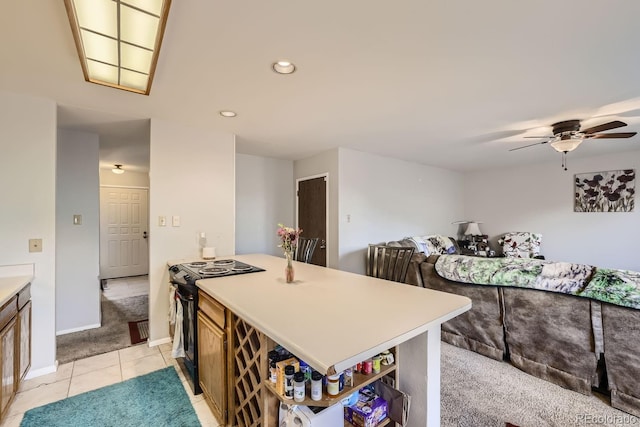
24,340
212,355
15,345
7,371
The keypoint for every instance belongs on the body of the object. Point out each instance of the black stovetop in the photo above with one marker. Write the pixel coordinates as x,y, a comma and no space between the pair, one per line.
188,273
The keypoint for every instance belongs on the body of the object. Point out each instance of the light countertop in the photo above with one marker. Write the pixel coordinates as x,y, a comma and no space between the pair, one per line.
10,286
331,319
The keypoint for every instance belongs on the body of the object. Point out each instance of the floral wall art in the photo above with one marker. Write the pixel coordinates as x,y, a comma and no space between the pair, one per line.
611,191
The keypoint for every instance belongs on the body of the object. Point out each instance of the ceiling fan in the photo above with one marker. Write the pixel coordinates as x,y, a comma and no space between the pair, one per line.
567,136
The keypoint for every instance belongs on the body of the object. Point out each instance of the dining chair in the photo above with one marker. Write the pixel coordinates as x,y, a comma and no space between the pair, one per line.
389,262
306,247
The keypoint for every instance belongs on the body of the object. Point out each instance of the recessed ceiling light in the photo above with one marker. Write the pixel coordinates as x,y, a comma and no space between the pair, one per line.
283,67
228,113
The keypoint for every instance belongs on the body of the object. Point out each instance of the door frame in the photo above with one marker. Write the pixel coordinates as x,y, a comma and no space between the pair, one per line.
138,187
326,218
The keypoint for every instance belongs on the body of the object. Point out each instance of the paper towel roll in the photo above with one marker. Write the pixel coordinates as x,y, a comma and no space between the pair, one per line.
208,253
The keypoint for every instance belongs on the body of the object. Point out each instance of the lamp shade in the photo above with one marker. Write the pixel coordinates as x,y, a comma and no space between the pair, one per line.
472,229
118,169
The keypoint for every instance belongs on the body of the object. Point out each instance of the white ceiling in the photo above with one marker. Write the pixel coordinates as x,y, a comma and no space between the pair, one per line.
449,83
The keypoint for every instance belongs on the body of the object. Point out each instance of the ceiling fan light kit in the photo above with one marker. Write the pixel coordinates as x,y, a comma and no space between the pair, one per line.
564,145
567,136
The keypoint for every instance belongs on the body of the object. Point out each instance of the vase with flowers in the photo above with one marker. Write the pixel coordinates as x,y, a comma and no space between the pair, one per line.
289,237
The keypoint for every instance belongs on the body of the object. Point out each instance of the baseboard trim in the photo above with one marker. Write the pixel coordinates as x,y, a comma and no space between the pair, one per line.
156,343
81,328
42,371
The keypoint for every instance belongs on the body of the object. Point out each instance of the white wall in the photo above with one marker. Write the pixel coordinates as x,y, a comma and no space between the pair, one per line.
325,162
191,176
77,246
539,198
27,208
388,199
127,179
264,197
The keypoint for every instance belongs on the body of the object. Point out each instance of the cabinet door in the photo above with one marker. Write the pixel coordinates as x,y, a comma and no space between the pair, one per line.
7,352
212,365
24,334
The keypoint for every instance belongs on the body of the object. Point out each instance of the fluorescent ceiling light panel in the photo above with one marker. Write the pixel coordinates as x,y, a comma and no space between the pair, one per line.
118,41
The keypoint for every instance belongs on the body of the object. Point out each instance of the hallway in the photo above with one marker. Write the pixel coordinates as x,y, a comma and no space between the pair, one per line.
123,300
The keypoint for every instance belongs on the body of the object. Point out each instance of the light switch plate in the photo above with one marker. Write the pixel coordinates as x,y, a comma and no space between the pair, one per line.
77,219
35,245
175,221
162,221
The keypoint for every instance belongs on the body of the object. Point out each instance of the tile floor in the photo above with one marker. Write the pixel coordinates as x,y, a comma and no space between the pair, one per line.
105,369
98,371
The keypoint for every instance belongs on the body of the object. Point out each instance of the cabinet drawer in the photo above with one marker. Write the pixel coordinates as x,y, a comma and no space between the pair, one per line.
8,311
24,296
212,308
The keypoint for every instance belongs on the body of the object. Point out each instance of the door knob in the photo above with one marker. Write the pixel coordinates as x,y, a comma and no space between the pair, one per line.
144,234
323,244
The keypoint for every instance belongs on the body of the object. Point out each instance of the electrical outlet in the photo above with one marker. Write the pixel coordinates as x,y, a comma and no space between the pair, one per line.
35,245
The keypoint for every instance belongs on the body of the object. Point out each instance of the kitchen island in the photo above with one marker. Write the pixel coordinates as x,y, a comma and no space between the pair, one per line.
333,319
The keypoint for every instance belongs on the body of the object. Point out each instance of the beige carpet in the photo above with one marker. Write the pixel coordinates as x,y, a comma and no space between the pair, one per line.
482,392
112,335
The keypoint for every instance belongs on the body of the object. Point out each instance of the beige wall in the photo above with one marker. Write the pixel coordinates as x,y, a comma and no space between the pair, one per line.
27,209
202,195
539,198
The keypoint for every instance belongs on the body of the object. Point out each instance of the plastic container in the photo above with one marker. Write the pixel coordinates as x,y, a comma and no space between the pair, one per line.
298,386
273,375
333,385
289,371
376,364
316,386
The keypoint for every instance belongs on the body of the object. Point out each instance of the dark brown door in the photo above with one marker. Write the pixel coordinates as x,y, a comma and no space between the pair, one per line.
312,215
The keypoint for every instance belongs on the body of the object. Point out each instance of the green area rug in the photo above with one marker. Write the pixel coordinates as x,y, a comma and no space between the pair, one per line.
156,399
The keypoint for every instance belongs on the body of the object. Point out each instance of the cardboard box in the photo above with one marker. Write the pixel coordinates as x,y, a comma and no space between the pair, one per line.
280,372
370,411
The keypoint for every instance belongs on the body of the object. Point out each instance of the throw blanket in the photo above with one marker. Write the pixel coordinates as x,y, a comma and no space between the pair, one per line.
620,287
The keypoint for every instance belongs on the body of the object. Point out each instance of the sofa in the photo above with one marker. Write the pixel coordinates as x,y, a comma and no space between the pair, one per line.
580,332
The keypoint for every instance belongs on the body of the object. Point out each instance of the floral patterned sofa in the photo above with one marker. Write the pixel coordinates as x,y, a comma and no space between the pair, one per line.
562,322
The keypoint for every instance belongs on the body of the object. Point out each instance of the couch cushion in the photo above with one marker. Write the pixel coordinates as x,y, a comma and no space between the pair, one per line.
521,244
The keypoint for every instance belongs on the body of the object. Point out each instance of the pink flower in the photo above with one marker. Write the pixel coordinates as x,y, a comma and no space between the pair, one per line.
289,237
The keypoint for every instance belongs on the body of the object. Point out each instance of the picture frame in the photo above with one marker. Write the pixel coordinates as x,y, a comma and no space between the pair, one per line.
608,191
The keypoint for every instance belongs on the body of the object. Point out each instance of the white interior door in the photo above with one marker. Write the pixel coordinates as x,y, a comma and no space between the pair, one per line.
124,221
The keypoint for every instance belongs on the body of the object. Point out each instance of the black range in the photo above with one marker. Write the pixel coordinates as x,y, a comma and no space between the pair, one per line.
184,276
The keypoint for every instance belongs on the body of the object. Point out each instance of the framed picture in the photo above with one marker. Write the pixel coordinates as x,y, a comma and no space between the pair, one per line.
610,191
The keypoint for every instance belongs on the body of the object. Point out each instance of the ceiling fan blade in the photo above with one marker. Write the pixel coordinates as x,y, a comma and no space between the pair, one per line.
612,135
605,126
527,146
548,136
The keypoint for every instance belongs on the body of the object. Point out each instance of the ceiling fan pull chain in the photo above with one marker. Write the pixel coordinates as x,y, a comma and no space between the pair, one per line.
564,160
